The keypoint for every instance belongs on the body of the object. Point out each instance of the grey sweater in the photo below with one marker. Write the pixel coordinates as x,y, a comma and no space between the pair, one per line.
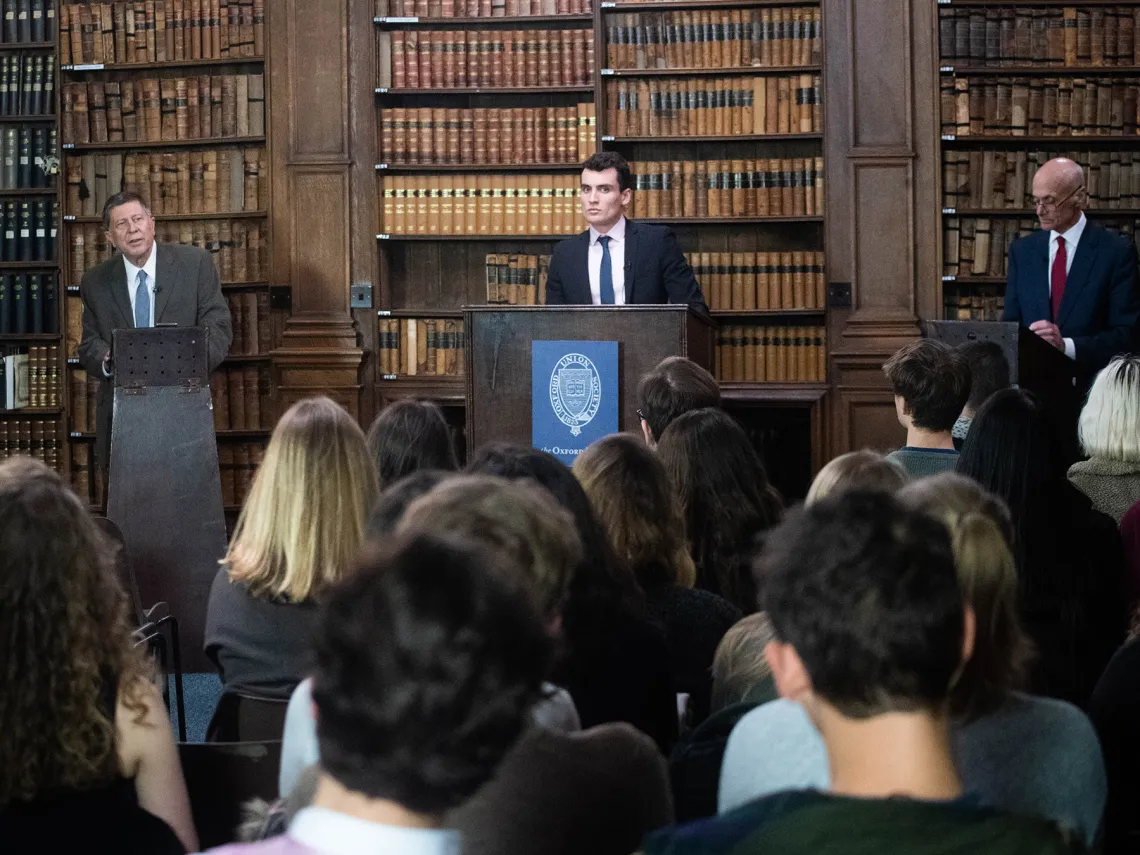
920,462
1112,485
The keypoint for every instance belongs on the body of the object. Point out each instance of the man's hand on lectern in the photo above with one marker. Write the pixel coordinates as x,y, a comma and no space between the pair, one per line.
1050,332
107,370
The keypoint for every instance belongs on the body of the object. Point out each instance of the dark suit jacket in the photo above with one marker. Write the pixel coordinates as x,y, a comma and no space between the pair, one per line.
189,294
1101,305
655,269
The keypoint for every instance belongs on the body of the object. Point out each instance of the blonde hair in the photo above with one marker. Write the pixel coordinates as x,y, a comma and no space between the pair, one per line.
303,522
519,518
740,665
980,533
861,470
633,497
1109,426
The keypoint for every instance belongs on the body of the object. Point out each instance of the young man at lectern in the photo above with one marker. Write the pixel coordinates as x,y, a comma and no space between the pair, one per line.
147,284
1073,283
618,261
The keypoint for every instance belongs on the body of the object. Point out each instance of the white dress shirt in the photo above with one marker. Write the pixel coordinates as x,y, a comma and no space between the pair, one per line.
1072,238
334,833
133,281
617,263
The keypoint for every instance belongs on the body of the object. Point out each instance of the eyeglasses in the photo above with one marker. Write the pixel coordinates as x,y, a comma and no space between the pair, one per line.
641,415
1049,205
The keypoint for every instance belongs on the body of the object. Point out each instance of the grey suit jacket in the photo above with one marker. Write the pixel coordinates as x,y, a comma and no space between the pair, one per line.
189,293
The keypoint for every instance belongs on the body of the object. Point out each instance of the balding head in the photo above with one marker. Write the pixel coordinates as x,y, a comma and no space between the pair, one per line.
1058,186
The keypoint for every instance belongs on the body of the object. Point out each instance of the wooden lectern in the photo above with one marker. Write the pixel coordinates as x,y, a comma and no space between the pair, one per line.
1034,365
499,356
164,490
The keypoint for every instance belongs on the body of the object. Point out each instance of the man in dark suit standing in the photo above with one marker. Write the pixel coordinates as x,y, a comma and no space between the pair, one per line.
147,284
618,261
1073,283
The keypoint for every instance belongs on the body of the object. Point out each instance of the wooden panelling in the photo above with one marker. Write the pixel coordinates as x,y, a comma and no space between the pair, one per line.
868,420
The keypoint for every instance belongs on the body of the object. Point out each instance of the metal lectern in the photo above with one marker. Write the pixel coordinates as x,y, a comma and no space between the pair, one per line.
164,490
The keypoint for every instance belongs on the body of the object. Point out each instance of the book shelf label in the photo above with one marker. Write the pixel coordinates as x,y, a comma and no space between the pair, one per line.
381,166
948,138
947,69
397,19
382,237
607,139
949,210
950,278
68,217
381,90
384,313
389,376
90,66
606,72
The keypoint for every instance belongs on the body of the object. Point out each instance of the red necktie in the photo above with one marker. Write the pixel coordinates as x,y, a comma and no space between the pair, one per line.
1057,277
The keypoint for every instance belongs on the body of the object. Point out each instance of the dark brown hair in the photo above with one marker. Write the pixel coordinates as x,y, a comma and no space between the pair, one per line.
675,385
603,160
934,381
410,435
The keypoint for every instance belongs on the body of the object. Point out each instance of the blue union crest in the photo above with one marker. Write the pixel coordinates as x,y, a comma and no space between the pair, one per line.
575,391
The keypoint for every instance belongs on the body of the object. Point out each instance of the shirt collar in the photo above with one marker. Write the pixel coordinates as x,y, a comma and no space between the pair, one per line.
1073,235
617,233
133,272
334,833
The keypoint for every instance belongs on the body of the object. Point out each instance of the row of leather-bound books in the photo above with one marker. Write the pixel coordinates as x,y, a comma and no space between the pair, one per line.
29,303
1003,180
41,364
481,205
760,280
444,9
38,438
492,135
973,303
1039,106
1063,36
770,187
771,354
87,480
729,106
238,247
25,154
28,229
28,21
160,31
517,279
240,394
412,59
208,181
237,465
83,393
714,38
27,84
253,333
163,110
420,346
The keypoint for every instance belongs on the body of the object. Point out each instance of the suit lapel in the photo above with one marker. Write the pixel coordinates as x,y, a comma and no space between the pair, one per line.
631,236
120,292
1038,278
1079,272
582,277
164,272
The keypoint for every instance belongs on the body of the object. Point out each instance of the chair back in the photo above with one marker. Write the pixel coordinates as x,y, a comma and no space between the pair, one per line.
223,776
243,717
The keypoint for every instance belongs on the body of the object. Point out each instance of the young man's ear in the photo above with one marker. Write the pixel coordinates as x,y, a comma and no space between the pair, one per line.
788,672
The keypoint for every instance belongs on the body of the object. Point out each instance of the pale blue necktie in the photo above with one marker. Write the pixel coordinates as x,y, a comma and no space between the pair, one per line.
606,274
142,303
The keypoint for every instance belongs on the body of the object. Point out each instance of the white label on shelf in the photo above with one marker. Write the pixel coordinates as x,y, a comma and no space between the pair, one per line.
76,433
72,289
609,4
397,20
606,72
69,145
944,2
947,69
607,139
381,166
380,90
950,278
949,210
69,216
91,66
389,376
948,138
71,360
41,233
384,313
382,237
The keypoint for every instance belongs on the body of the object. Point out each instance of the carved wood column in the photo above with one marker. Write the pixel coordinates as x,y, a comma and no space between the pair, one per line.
882,176
314,217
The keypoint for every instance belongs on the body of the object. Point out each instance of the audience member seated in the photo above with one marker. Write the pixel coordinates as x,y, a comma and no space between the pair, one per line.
595,790
1109,430
1130,535
410,435
1070,562
615,661
1115,710
741,681
675,386
725,497
857,470
395,498
426,665
632,497
871,633
87,757
931,384
989,373
299,531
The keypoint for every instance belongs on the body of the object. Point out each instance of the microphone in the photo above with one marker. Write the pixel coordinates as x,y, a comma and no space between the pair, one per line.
155,289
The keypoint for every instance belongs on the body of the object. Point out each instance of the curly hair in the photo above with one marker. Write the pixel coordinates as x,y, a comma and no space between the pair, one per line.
64,631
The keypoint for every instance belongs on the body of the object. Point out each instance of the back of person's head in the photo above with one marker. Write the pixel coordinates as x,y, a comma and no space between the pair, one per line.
426,668
863,596
933,381
304,519
395,498
64,621
989,370
1109,426
857,470
409,435
725,496
520,520
740,669
675,386
635,502
980,533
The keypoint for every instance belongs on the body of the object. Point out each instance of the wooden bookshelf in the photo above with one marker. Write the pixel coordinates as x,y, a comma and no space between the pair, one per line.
151,144
478,167
176,218
220,62
487,90
515,21
732,71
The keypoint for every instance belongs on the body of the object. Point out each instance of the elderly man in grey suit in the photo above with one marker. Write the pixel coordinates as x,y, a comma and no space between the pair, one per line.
147,284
